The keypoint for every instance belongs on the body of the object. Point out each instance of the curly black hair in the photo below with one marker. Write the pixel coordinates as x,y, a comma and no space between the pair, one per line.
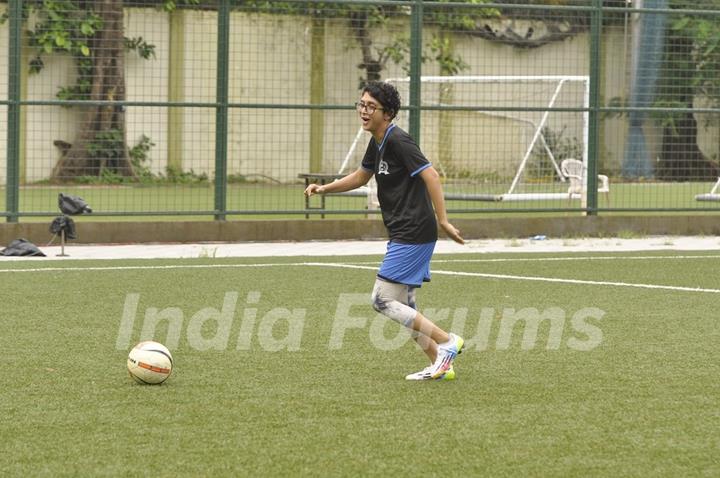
386,94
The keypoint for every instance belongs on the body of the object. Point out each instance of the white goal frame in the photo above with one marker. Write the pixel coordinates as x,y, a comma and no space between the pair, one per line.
559,81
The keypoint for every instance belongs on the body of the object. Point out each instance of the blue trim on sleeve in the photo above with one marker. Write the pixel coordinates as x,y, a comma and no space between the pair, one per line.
420,169
367,169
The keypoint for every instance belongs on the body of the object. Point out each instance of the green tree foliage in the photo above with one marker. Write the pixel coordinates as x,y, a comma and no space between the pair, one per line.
91,33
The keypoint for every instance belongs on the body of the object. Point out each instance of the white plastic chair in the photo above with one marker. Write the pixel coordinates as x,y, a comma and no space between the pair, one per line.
574,171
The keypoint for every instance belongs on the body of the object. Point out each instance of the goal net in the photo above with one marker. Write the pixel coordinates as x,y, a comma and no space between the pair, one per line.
497,138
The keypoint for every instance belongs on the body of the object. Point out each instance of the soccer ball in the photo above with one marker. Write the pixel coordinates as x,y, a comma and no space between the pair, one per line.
149,363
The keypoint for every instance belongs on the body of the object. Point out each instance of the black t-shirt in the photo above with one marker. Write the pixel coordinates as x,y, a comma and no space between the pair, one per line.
404,200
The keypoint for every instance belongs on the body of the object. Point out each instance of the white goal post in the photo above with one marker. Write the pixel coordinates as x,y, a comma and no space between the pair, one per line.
713,195
554,86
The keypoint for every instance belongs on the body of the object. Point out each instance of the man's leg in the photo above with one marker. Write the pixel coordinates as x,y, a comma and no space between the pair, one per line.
390,300
440,346
428,345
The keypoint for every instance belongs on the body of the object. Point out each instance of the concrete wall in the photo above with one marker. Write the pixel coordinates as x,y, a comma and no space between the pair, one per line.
120,232
269,63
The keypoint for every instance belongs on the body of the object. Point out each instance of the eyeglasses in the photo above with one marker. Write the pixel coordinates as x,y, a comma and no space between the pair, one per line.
369,108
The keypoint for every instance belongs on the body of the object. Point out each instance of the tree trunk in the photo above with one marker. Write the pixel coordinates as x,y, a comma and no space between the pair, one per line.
101,142
680,157
371,65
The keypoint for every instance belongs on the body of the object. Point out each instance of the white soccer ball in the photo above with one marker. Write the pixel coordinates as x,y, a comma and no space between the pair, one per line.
150,363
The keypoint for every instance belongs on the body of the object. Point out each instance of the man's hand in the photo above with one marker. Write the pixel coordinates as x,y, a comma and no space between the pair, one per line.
313,189
452,232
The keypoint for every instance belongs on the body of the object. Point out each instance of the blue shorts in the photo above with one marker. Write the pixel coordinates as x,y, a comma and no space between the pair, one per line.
407,264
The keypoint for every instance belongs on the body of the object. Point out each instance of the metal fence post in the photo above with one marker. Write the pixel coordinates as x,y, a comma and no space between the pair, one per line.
414,101
221,111
12,186
594,113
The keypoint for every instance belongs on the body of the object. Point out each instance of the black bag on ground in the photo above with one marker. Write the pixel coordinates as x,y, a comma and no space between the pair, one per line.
72,205
22,247
64,223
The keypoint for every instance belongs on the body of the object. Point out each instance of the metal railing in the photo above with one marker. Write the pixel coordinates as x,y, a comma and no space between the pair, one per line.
222,107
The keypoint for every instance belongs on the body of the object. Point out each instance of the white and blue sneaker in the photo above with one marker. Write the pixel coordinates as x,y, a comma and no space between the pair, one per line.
446,354
426,374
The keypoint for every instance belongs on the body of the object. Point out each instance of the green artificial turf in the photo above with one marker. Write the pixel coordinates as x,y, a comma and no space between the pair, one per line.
630,390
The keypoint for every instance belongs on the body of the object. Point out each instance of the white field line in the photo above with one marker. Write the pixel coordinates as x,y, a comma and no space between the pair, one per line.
541,279
578,281
156,267
556,259
578,258
363,267
376,262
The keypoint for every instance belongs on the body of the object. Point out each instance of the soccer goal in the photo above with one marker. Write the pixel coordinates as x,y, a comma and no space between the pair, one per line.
713,195
498,138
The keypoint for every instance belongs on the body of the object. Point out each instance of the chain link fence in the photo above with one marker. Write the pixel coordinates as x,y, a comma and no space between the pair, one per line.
223,109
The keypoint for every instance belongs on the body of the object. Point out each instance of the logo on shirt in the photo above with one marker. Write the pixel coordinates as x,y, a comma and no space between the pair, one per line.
383,167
